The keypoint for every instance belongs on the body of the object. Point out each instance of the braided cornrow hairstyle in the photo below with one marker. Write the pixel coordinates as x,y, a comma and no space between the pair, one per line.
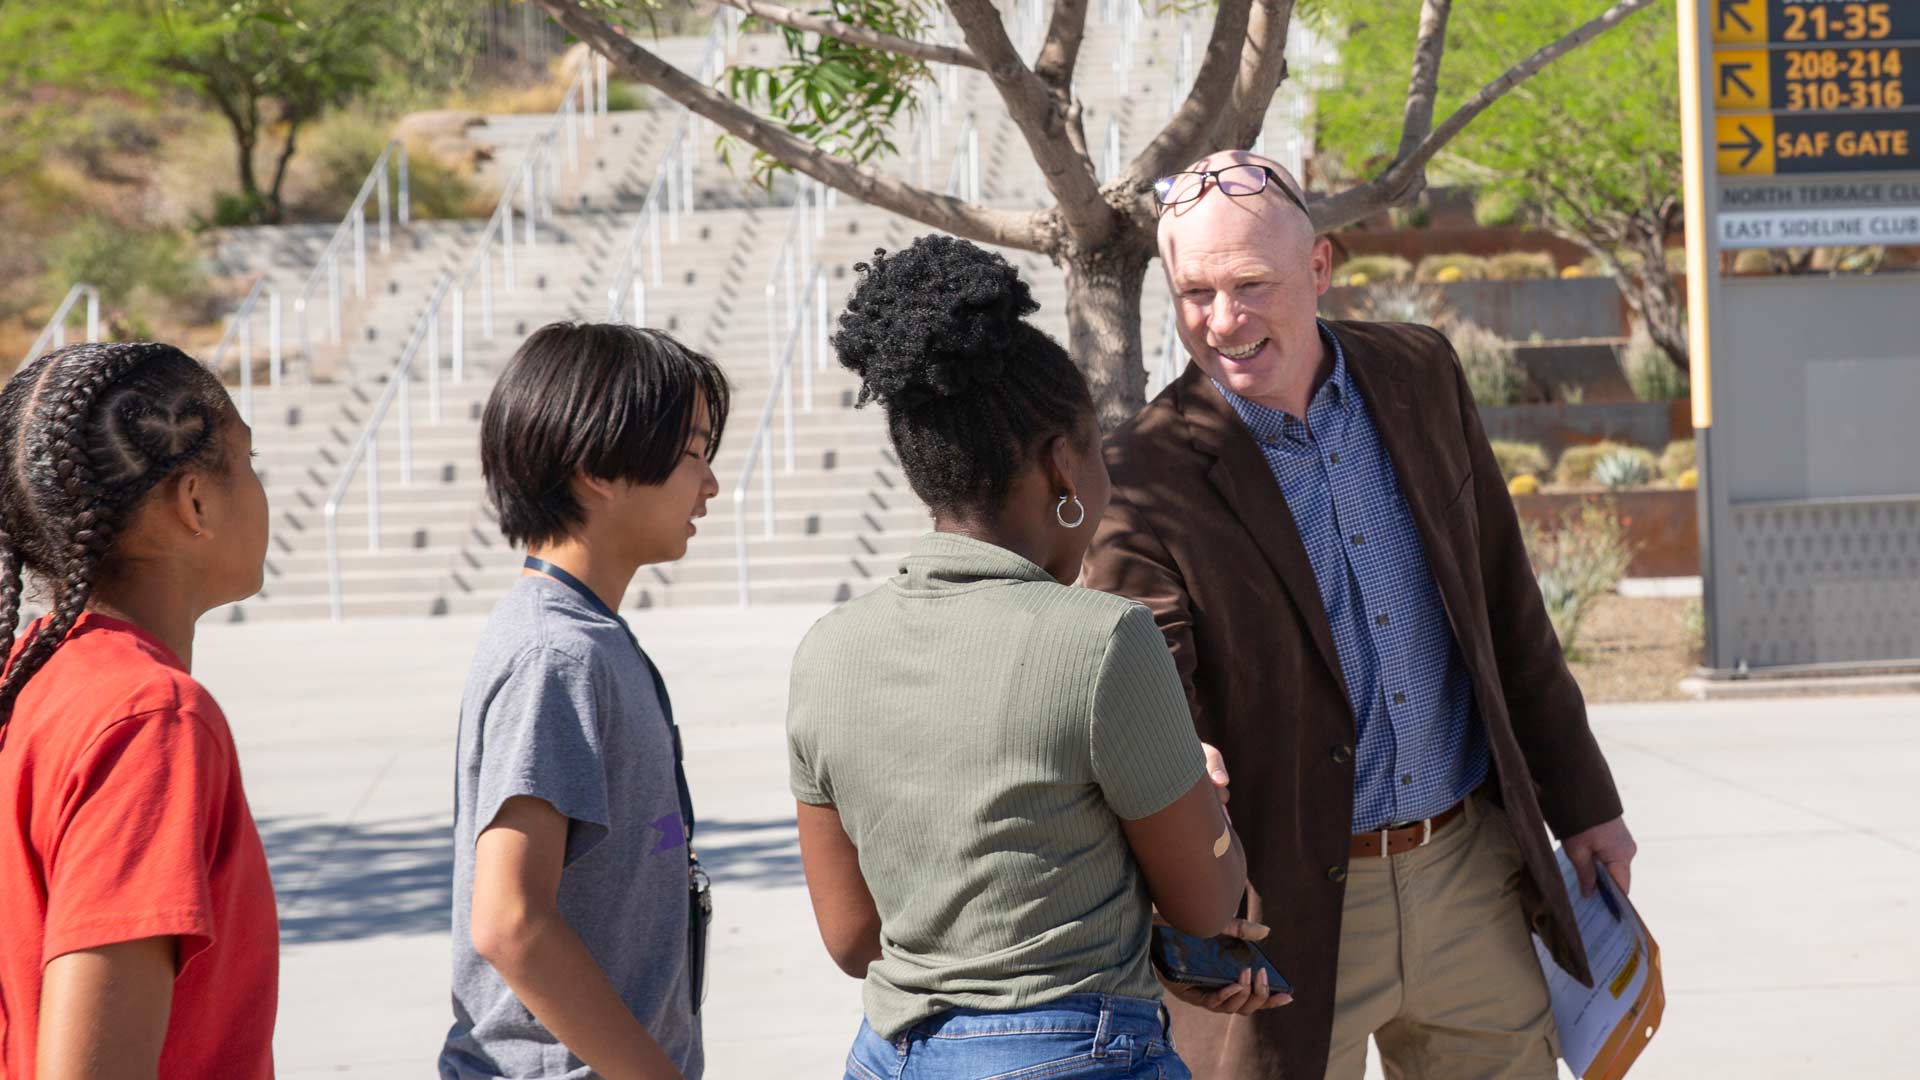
938,335
86,432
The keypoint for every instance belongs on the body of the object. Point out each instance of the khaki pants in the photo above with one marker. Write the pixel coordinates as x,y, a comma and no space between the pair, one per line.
1437,965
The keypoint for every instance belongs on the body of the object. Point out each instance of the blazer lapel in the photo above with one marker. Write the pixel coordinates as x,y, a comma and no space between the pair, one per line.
1242,477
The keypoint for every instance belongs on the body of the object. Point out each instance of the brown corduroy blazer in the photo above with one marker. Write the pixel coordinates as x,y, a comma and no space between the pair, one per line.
1200,532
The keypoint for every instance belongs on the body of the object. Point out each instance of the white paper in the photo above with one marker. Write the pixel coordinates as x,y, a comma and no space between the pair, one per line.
1617,956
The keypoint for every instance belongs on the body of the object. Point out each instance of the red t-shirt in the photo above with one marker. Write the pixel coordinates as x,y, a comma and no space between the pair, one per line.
129,822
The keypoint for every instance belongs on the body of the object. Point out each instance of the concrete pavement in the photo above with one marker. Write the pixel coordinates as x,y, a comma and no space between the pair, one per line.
1772,866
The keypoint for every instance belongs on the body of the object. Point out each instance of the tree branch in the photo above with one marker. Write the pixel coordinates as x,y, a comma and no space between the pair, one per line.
1423,87
1400,179
854,34
1030,103
1187,136
1263,67
1027,231
1062,49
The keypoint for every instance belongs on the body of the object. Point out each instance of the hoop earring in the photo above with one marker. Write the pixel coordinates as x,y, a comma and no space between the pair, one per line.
1060,512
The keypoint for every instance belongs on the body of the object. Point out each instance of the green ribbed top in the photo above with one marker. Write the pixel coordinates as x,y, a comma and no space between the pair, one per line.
983,730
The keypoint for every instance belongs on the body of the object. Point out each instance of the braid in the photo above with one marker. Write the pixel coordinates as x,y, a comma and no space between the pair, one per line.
95,428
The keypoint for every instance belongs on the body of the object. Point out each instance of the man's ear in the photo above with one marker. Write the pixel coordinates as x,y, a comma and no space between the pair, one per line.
1322,263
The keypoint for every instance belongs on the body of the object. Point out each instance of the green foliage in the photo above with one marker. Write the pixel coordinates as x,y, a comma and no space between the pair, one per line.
1520,459
839,96
1521,266
1376,269
1624,469
1578,463
1497,208
344,149
1592,141
1678,457
626,97
1651,372
1576,564
1494,374
126,264
1464,267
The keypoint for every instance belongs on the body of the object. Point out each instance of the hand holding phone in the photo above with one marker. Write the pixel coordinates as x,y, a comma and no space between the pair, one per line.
1224,974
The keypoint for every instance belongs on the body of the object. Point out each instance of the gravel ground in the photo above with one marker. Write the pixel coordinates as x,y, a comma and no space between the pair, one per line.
1636,650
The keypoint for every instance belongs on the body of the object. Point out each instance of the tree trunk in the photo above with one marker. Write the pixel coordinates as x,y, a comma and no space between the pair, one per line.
1103,325
276,210
1654,295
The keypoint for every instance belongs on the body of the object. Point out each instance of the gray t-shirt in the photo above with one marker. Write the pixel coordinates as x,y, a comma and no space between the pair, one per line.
560,707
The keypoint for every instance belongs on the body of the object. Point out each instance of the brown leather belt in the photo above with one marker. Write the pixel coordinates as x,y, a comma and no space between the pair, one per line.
1387,842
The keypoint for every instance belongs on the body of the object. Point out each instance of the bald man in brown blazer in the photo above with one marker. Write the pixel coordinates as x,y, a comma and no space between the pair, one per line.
1315,517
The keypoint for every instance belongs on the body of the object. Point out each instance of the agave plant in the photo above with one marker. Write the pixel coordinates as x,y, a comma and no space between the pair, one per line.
1622,469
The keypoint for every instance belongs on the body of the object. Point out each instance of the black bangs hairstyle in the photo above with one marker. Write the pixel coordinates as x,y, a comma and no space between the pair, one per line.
610,401
86,432
938,335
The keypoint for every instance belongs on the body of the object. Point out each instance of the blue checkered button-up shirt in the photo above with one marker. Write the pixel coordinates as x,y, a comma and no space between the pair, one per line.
1420,748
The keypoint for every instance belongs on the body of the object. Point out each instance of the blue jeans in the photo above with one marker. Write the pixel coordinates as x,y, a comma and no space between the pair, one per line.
1075,1038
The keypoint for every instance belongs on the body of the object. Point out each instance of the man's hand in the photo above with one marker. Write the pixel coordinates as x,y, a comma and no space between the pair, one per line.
1244,998
1609,843
1216,770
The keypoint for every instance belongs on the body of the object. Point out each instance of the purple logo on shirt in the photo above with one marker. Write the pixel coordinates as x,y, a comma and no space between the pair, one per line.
673,832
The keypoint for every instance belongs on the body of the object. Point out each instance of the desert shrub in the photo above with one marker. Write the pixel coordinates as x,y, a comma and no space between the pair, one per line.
343,149
1677,458
627,97
1524,484
1577,563
1377,269
1577,463
1494,374
1497,208
1628,468
1451,268
1520,266
1404,301
1651,372
1518,459
1688,480
128,265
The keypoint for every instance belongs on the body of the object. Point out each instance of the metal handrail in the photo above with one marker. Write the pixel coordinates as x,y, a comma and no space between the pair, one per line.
55,333
967,149
367,448
805,224
353,227
1110,157
449,295
1169,342
808,336
673,182
241,326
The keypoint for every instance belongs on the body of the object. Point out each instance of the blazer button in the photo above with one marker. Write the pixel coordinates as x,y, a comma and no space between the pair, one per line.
1336,874
1342,754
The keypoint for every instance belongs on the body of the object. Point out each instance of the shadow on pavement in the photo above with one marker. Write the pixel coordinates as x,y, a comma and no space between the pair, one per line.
763,853
342,882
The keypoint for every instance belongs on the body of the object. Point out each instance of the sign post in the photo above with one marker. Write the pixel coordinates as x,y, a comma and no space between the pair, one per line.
1801,128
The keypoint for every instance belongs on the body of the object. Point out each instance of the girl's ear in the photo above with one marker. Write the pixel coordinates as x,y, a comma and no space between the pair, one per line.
185,498
1058,462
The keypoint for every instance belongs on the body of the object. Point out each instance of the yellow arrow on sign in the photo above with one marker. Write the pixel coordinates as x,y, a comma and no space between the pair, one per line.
1743,145
1738,22
1742,79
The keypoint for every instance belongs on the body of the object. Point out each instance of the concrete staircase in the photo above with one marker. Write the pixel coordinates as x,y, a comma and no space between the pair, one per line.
843,516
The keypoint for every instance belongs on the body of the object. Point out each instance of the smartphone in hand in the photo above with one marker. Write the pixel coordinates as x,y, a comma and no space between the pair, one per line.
1210,963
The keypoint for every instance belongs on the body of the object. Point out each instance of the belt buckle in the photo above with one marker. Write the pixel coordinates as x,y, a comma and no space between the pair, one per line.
1426,832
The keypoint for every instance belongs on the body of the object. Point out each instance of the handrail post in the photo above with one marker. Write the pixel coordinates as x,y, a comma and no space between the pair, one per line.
386,232
359,256
506,243
433,365
528,195
406,423
406,189
333,300
93,314
373,492
246,364
335,607
740,539
275,355
486,296
459,336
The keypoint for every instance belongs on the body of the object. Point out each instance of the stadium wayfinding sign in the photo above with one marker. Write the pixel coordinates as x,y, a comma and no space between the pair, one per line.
1801,128
1815,88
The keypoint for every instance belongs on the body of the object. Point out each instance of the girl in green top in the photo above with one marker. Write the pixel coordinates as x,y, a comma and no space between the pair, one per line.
997,774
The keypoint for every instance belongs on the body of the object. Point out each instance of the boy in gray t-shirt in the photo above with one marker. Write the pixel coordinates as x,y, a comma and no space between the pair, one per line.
572,915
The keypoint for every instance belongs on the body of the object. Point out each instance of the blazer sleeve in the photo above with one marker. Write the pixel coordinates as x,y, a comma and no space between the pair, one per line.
1128,559
1544,703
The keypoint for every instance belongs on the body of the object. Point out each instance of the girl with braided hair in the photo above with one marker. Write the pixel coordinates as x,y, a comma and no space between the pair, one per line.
996,773
138,935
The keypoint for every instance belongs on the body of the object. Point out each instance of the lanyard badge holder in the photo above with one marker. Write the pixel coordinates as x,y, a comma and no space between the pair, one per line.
699,888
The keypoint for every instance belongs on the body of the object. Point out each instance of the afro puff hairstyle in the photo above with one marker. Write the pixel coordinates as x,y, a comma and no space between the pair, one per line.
939,337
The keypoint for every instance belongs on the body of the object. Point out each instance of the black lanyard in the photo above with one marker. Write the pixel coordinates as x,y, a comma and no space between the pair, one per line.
659,684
